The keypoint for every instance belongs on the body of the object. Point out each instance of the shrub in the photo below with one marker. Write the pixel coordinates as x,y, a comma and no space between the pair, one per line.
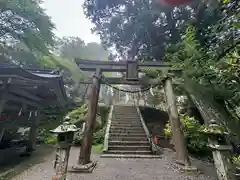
168,131
196,141
77,113
99,130
78,139
236,160
98,137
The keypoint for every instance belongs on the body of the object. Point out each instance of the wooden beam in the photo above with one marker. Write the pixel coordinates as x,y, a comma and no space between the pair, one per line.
113,80
13,97
21,80
117,66
98,62
20,92
104,68
121,63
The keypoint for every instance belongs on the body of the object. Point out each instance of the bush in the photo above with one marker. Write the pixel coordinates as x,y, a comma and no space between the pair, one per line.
236,160
98,137
168,131
77,114
78,139
99,131
196,141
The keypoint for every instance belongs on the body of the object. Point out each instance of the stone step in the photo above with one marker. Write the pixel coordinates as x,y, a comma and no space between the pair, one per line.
126,124
125,107
127,138
126,117
124,114
116,112
128,143
127,131
128,152
131,156
120,110
118,120
129,148
126,120
126,128
127,135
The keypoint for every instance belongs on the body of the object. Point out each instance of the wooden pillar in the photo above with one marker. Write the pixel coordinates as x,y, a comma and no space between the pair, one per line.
2,129
85,152
35,118
177,131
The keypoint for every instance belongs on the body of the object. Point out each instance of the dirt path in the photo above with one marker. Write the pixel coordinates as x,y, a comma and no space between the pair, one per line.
18,164
119,169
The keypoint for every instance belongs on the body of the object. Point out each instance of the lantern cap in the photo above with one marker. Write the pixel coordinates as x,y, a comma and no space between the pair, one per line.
65,127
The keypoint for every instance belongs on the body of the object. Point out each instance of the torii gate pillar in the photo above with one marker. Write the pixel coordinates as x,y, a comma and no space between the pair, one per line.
177,131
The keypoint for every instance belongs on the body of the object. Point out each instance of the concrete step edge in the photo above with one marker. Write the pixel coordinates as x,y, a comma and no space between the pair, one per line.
141,156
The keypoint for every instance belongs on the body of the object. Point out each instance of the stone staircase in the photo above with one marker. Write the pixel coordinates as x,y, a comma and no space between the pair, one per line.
126,135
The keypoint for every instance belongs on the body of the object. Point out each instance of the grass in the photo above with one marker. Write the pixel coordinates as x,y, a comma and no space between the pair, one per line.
98,148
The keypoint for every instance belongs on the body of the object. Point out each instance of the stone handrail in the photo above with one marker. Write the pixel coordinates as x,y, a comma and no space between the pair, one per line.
105,147
153,146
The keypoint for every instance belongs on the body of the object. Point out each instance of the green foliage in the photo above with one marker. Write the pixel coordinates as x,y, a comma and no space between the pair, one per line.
74,47
196,140
76,114
24,27
236,160
98,137
168,131
51,140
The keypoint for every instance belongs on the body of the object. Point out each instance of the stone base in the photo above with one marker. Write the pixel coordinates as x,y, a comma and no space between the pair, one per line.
87,168
185,167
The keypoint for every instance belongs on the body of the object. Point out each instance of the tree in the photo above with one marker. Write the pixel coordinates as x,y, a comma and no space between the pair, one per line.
74,47
24,28
202,39
143,28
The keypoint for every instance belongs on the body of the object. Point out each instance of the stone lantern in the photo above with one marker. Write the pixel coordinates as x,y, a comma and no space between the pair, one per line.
220,150
65,134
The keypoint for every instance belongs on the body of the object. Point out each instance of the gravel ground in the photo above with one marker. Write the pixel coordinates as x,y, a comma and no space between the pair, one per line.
122,169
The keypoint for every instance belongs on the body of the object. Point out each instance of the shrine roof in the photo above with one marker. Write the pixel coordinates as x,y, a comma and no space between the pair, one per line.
32,86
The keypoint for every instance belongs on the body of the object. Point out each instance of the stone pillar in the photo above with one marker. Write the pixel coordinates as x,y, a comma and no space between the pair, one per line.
65,134
177,131
221,152
35,118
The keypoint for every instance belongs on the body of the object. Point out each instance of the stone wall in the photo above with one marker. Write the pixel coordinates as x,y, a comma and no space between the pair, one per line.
155,121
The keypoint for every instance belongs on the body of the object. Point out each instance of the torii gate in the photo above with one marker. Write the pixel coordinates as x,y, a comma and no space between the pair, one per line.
131,68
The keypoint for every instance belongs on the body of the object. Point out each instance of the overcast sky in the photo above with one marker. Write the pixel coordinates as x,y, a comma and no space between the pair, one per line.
69,19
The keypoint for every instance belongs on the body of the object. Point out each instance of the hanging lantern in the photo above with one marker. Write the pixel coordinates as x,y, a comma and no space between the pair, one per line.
175,2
